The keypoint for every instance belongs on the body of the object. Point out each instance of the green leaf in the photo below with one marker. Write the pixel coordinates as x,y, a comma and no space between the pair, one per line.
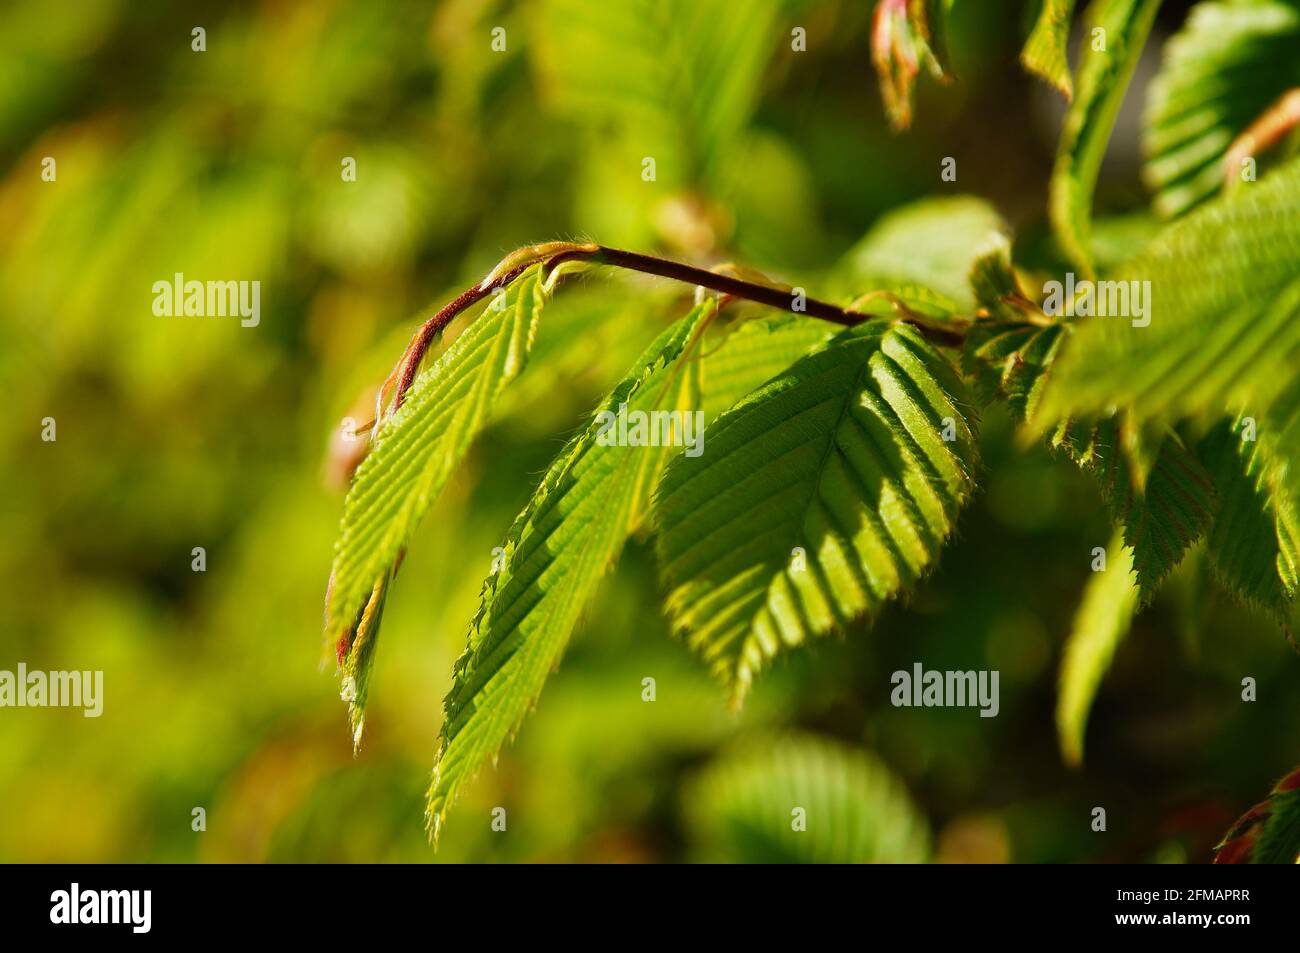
753,353
910,302
1278,432
748,806
821,495
676,80
1110,601
932,243
1163,511
1106,64
998,289
419,447
1190,592
1156,490
1222,305
360,658
567,537
1009,362
592,333
1011,345
1228,64
1252,544
1045,51
1118,238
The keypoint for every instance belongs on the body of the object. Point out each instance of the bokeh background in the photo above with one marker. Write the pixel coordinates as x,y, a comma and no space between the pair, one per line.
174,433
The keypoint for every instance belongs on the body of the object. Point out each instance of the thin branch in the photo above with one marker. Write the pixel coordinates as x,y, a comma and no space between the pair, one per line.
405,370
775,297
554,254
1262,134
736,287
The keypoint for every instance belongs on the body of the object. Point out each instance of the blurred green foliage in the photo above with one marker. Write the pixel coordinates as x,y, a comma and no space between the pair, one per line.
175,433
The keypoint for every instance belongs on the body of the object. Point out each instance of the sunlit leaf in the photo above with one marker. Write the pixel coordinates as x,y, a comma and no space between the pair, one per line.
1163,511
1045,51
1220,333
567,537
419,447
1012,344
753,354
932,244
821,495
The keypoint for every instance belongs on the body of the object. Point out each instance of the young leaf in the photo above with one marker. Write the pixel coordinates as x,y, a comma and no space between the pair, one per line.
1220,331
1116,31
1269,833
937,13
801,799
753,353
1011,345
821,495
1252,544
1230,62
1045,51
1109,602
932,243
417,450
1278,433
1009,362
1163,507
998,289
360,658
1156,490
907,35
1164,511
569,534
